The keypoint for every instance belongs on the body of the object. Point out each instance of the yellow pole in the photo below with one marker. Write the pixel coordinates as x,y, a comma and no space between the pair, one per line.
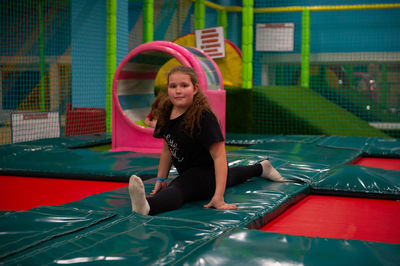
325,8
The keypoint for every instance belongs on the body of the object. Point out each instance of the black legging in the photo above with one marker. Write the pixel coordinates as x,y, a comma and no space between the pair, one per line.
197,184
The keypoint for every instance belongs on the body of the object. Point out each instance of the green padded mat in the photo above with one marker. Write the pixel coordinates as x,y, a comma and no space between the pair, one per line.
354,180
188,236
130,240
250,247
140,239
308,159
324,162
24,230
77,163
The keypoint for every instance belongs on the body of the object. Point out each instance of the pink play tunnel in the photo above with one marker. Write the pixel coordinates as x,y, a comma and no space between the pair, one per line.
133,91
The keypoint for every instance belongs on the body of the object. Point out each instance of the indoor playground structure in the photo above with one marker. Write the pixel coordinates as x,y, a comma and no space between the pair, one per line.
313,88
133,91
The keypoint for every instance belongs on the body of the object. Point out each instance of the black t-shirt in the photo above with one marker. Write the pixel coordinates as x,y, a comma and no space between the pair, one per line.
188,152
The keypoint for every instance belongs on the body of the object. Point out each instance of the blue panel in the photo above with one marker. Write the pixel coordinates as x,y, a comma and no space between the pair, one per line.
164,18
187,26
88,51
355,31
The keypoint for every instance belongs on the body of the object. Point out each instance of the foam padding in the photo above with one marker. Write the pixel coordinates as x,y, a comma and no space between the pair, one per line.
304,158
354,180
251,247
77,163
371,146
156,239
307,152
258,201
23,230
130,240
251,139
324,163
77,141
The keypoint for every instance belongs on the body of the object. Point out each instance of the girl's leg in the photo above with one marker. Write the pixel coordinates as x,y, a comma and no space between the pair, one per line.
194,184
239,174
168,199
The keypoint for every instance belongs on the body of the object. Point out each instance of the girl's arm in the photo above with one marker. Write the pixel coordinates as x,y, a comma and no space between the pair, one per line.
163,168
217,151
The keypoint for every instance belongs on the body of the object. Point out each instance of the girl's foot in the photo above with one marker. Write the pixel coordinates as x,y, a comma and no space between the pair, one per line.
269,172
138,195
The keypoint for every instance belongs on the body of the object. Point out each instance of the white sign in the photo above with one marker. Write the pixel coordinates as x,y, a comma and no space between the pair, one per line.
275,37
211,41
32,126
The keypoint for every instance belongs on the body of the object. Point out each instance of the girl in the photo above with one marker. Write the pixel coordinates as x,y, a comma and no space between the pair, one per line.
194,144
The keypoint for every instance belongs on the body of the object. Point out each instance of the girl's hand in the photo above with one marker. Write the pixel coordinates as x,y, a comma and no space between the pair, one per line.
219,204
158,187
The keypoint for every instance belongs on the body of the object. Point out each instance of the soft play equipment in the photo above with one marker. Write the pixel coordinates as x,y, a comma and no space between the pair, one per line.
133,91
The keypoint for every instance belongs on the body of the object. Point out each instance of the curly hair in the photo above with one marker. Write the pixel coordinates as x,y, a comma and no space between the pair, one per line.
158,102
193,113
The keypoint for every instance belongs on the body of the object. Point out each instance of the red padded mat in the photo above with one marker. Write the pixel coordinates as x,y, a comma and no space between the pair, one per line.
341,217
24,193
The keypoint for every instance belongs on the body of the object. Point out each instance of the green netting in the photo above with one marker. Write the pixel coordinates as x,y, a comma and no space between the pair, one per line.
52,69
348,56
57,60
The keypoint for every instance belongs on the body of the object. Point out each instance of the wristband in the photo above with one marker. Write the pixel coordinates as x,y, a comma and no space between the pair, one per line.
160,179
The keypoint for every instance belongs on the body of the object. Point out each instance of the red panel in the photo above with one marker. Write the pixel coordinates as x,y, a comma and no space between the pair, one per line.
24,193
384,163
341,217
83,121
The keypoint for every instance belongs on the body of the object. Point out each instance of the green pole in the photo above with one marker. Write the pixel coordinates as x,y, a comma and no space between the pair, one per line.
223,20
305,48
247,44
111,58
199,14
42,64
148,20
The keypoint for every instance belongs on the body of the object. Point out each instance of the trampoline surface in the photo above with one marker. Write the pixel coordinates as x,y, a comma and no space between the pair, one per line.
383,163
341,217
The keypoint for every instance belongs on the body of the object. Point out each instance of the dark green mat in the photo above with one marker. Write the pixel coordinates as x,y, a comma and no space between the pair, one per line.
24,230
138,239
77,163
250,247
